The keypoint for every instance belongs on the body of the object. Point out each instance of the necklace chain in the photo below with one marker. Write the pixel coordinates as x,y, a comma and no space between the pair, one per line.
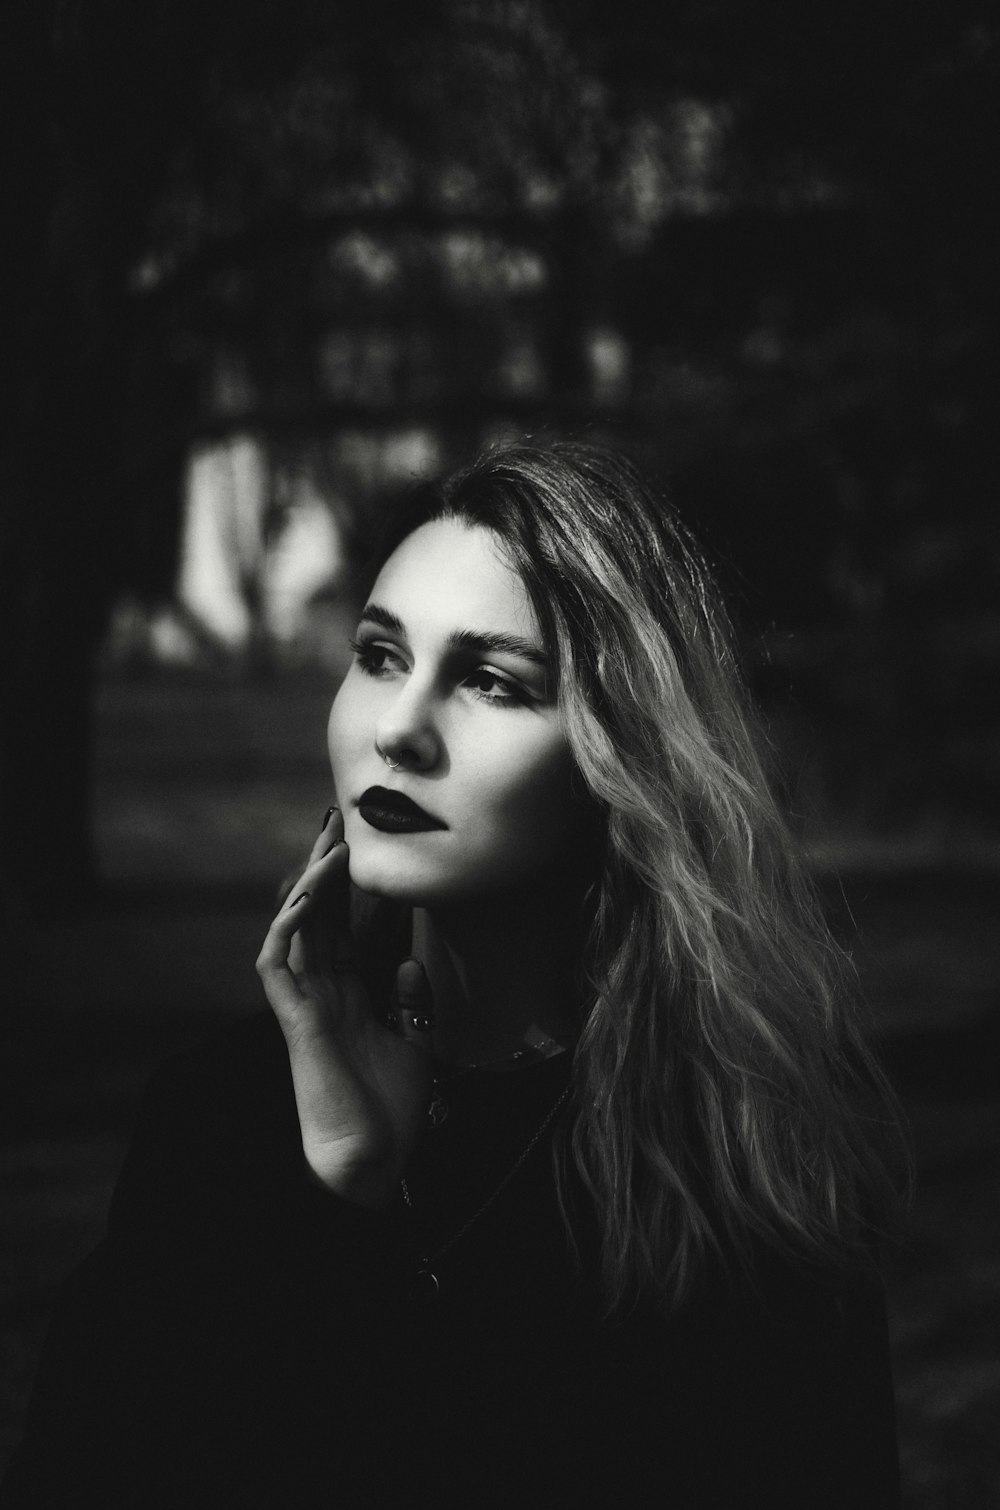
437,1111
496,1194
547,1049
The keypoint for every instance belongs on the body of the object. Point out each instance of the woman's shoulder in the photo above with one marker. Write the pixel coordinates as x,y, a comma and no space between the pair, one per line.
774,1287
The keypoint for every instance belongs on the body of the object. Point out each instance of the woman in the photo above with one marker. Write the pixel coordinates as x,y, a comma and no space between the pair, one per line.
579,1209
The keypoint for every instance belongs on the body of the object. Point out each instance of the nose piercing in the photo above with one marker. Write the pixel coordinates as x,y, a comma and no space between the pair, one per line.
394,765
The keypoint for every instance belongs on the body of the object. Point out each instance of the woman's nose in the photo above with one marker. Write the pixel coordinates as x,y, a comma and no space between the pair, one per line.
407,732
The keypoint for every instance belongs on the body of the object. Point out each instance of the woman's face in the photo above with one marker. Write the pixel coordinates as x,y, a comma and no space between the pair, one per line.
450,681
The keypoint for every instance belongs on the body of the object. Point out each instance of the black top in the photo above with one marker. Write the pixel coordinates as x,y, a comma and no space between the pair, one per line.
244,1338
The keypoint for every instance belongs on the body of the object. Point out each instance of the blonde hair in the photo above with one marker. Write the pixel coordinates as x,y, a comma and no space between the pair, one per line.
724,1094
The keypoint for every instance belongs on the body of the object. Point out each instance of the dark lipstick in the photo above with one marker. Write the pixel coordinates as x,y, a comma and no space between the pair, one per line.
393,813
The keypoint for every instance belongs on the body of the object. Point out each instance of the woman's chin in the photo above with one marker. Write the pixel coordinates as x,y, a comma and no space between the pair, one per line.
398,872
397,883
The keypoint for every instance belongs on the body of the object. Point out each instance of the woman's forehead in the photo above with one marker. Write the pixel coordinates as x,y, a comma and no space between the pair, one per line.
451,570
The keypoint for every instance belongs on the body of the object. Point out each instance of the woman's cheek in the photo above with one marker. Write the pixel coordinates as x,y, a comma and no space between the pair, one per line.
342,734
538,812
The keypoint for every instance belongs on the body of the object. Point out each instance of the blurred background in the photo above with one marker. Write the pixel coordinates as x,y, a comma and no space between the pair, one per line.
268,264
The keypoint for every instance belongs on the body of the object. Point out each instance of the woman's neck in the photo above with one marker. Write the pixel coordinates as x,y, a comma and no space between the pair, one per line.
502,977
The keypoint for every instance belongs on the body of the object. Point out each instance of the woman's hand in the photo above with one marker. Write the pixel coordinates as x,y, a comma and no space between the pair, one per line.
362,1088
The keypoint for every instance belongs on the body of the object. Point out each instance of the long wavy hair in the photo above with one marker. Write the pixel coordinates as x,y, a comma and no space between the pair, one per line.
724,1095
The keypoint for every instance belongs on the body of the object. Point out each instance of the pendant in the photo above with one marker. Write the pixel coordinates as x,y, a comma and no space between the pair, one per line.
425,1285
438,1109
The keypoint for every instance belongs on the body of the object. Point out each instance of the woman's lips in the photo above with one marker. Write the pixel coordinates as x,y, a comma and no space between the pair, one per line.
393,813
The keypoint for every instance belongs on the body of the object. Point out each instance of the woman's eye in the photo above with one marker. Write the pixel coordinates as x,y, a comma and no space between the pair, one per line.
374,659
491,687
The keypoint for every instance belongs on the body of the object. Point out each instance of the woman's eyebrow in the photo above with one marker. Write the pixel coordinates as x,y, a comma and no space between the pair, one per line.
480,640
483,641
374,613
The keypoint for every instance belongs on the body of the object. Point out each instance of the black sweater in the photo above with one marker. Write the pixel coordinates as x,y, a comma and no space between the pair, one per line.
243,1338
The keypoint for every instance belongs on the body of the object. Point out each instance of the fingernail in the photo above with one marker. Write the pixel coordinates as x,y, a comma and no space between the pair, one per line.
329,814
300,898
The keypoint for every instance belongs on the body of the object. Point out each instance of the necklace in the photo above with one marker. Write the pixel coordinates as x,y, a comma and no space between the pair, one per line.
438,1109
426,1282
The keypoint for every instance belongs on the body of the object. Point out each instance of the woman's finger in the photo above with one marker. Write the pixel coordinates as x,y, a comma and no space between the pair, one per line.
340,950
414,1005
326,943
326,877
272,961
331,829
322,845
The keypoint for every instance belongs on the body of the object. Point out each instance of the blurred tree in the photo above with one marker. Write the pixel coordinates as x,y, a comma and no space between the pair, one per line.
198,173
749,240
